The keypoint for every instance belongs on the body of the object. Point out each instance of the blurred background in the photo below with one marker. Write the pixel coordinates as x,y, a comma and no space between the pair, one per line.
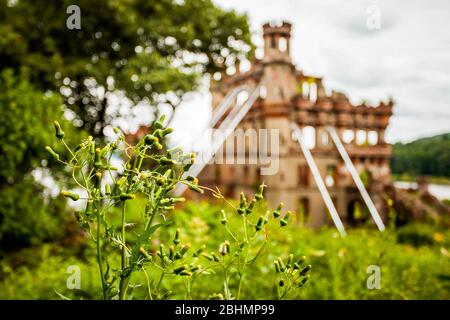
96,65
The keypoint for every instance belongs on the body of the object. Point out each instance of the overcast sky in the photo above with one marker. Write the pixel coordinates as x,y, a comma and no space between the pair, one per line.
407,57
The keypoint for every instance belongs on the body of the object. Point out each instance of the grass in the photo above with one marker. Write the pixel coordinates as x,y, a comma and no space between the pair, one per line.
414,262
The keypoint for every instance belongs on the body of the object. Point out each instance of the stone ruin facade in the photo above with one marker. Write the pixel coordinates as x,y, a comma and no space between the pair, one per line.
289,95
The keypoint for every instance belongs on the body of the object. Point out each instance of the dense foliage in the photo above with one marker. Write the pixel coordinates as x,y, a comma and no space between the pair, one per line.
410,267
426,156
149,50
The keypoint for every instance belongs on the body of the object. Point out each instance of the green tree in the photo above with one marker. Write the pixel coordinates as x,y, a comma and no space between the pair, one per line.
153,51
26,116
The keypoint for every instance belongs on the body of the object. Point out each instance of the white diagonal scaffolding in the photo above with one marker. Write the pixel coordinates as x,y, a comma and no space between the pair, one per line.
354,173
318,179
227,126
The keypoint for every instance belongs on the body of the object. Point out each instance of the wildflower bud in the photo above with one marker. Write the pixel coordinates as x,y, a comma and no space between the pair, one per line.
166,161
208,256
92,148
259,224
162,253
127,196
168,208
303,281
260,193
179,269
282,266
305,270
277,212
284,221
185,273
160,181
215,257
145,253
195,188
171,252
52,153
58,130
176,240
290,260
296,266
192,179
250,207
194,268
159,122
89,206
224,248
281,283
199,250
150,139
302,259
70,195
224,218
116,130
277,266
107,189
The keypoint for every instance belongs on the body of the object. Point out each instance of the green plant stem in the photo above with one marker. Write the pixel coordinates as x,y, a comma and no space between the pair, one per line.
124,280
99,254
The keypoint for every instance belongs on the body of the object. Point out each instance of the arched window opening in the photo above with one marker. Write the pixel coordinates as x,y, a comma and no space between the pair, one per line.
361,137
305,89
313,92
282,44
348,136
309,136
373,137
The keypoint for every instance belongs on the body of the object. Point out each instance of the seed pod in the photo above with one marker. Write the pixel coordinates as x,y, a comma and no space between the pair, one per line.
176,240
58,130
281,283
89,206
192,179
224,218
185,273
277,212
296,266
165,161
127,196
305,270
160,181
303,281
150,139
70,195
224,248
168,208
184,249
259,224
199,250
142,250
52,153
290,260
162,253
177,200
259,195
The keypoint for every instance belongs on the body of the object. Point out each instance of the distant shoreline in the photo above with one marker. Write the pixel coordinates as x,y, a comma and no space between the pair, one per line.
431,179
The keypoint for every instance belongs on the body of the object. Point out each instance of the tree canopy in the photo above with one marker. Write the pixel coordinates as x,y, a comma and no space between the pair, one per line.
154,51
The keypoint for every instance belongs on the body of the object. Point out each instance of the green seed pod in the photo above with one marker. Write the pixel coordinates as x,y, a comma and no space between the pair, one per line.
192,179
176,240
183,250
296,266
150,139
164,161
160,181
145,253
259,224
107,189
185,273
290,260
162,253
281,283
199,250
224,218
285,219
58,130
89,205
277,266
305,270
224,248
260,193
52,153
70,195
127,196
303,281
277,212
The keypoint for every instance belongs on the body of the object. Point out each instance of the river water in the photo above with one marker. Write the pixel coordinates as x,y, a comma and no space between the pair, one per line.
440,191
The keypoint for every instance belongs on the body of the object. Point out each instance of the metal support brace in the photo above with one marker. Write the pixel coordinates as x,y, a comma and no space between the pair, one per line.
318,179
226,127
359,184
